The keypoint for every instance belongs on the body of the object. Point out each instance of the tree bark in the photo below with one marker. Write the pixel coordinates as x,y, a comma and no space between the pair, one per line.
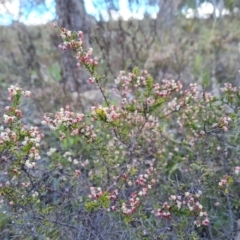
168,10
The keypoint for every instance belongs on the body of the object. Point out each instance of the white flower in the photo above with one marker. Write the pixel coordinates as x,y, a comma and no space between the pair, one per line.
187,194
237,170
75,162
51,151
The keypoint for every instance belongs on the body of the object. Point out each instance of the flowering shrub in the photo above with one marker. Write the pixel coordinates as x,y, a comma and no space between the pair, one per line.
163,162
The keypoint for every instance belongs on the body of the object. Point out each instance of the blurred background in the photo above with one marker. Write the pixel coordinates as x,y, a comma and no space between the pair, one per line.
188,40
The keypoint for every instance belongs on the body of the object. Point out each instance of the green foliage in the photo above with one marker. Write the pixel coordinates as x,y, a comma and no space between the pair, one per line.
102,202
55,72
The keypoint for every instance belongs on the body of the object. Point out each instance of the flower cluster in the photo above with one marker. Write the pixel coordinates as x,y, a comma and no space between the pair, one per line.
127,81
167,87
107,114
134,203
224,123
74,40
223,182
187,201
70,121
113,195
7,135
164,212
95,193
13,113
228,87
32,138
142,184
26,139
15,90
130,82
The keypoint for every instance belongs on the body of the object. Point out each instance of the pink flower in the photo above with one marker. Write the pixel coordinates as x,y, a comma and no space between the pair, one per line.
27,93
114,208
206,222
78,172
133,195
54,25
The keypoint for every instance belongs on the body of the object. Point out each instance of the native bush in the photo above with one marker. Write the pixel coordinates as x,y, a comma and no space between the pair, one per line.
159,162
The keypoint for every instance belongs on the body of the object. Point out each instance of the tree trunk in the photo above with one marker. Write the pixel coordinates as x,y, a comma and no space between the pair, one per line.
168,10
72,15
